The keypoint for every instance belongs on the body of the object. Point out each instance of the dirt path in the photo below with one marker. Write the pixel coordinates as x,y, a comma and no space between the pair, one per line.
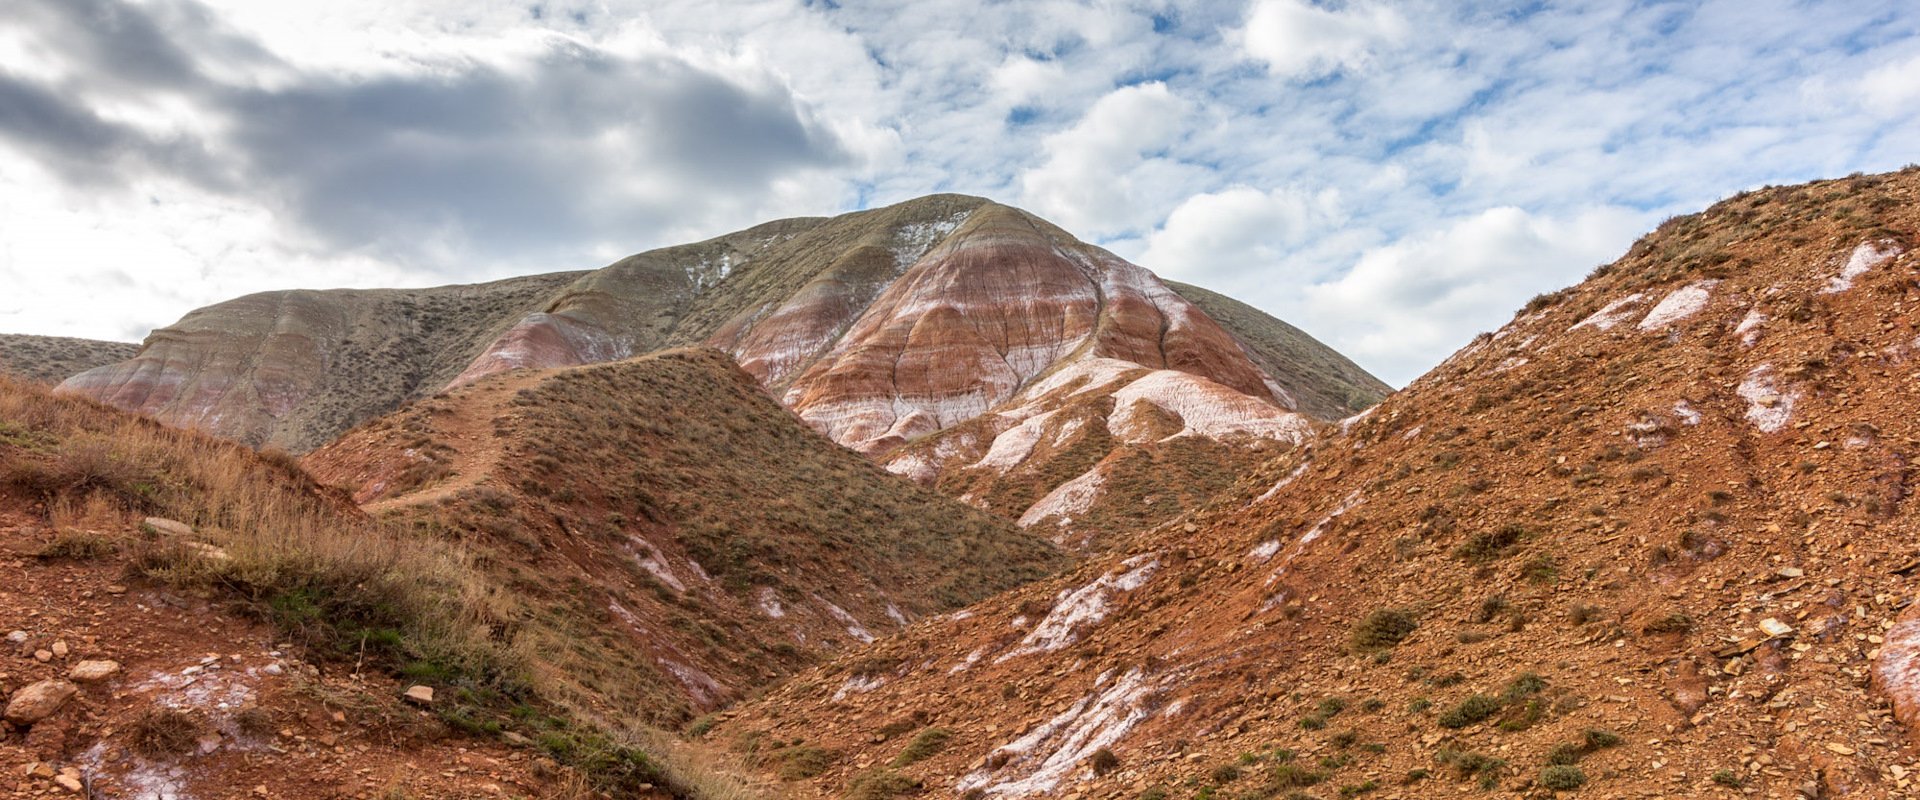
468,427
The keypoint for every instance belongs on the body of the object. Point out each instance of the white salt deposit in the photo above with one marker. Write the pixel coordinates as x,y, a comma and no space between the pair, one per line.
1767,408
648,557
1685,412
769,602
1749,327
1083,606
1205,408
858,684
1682,303
1037,762
854,628
1613,314
1264,550
1013,446
1865,257
968,662
1098,373
911,242
1282,483
1899,667
1066,500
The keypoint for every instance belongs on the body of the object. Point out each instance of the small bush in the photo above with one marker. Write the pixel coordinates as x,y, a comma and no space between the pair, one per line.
880,784
162,733
803,762
926,743
1599,739
1523,685
1727,777
1487,546
1103,761
78,546
1562,777
1564,753
1383,629
1474,709
1225,773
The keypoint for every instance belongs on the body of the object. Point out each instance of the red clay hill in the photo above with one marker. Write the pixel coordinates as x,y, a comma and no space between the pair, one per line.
1653,538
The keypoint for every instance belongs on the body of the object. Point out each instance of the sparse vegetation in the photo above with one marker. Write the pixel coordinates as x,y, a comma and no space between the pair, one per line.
1474,709
1383,628
926,743
1562,777
165,733
880,784
1487,546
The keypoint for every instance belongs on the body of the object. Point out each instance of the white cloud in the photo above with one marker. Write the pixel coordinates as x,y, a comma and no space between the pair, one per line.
1442,285
1216,235
1299,39
1099,175
1892,88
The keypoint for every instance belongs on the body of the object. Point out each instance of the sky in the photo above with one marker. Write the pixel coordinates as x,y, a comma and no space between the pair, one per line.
1393,177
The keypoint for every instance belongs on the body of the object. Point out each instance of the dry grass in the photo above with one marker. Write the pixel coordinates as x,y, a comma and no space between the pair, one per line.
165,733
303,557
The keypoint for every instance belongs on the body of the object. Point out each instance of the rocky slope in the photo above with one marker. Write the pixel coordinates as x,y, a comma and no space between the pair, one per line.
293,369
877,327
52,359
259,650
681,537
1652,538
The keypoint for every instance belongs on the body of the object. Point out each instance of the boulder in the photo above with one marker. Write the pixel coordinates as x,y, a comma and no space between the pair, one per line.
37,701
90,671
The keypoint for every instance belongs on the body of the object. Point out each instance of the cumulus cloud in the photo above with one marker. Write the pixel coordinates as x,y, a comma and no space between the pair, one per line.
1296,38
1100,175
1215,236
1438,286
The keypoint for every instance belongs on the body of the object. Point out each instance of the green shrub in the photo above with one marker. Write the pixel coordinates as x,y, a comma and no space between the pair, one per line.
1561,777
924,744
1489,545
1727,777
880,784
1104,761
1383,629
803,762
1474,709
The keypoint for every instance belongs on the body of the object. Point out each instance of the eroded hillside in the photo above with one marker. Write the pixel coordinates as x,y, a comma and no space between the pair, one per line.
679,538
1652,538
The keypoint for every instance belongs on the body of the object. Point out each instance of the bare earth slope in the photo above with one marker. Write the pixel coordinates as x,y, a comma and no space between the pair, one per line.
1654,538
682,538
52,359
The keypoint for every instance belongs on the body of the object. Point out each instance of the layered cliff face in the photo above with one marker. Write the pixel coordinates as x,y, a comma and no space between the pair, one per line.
1102,446
52,359
1654,537
683,539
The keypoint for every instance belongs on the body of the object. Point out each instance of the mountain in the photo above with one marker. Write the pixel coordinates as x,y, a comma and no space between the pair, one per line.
294,369
1653,537
681,538
51,359
878,328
